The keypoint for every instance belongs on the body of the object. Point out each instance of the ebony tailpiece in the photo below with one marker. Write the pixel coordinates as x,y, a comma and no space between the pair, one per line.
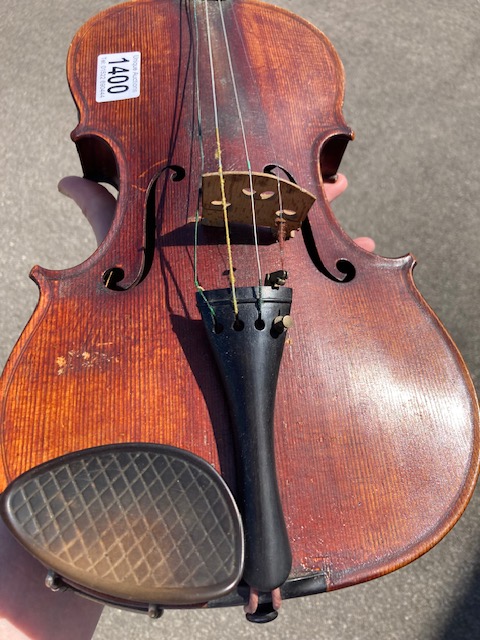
248,350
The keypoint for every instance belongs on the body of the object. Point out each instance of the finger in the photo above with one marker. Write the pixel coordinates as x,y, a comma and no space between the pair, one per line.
366,243
97,204
334,189
252,604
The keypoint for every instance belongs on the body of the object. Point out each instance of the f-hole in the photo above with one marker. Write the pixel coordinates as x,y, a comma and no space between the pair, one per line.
270,168
342,265
113,277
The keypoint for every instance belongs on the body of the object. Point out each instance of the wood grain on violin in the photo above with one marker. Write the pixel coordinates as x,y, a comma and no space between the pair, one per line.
375,426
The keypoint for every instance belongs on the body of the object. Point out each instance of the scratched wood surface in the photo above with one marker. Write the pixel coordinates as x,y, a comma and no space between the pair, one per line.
378,457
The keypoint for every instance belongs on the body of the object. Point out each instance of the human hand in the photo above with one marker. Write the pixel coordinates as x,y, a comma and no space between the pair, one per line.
28,609
335,189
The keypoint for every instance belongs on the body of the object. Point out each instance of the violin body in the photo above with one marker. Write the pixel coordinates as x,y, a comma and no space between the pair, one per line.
376,439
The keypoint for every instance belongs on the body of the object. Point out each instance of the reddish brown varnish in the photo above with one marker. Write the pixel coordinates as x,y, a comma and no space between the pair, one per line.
376,429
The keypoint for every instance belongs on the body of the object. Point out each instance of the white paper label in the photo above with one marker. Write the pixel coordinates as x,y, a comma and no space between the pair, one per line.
118,76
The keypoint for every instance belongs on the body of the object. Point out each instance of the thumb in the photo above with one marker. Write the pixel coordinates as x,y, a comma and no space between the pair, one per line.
335,189
365,243
97,204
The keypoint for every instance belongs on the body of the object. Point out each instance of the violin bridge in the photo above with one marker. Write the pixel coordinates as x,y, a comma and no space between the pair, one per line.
278,204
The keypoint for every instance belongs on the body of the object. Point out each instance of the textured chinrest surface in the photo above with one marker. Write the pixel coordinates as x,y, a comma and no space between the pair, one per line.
141,522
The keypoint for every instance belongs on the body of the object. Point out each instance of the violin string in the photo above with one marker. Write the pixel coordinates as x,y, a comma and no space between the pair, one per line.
219,154
220,165
244,136
253,596
202,162
279,184
200,141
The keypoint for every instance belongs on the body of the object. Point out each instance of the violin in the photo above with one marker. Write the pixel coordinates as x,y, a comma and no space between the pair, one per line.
229,402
